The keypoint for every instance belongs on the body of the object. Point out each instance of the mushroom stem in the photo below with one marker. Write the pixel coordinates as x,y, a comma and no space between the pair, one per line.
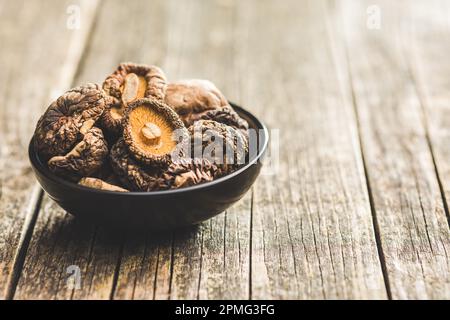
134,88
87,125
151,132
100,184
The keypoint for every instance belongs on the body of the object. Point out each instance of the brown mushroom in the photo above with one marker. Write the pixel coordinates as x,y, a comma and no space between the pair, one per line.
138,177
220,144
200,99
84,159
187,172
153,132
194,96
128,83
225,115
96,183
133,175
67,119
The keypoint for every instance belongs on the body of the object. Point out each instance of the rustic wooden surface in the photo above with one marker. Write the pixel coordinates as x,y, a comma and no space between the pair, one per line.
359,206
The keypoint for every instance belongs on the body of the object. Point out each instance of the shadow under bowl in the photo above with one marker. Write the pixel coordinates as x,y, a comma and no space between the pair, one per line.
158,209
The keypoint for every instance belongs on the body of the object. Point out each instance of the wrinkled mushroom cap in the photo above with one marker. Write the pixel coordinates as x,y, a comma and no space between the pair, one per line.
132,174
153,132
139,177
220,144
188,172
194,96
128,83
84,159
225,115
67,119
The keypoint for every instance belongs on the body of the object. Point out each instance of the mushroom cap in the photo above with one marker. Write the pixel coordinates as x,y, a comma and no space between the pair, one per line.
225,115
170,139
84,159
132,174
152,83
139,177
222,145
189,171
67,119
190,97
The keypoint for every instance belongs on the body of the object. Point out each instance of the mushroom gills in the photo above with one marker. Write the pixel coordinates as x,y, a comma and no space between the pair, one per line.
151,132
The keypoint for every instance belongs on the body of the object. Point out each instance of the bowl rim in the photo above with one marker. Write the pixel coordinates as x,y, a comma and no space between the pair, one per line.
37,164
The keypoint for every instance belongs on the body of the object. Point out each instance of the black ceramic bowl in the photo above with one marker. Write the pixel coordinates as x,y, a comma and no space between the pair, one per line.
158,209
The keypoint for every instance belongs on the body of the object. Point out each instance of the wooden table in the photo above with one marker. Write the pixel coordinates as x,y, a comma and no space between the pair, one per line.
359,207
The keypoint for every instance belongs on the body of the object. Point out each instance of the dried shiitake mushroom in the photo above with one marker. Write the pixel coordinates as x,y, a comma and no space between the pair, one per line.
67,119
191,97
96,183
145,120
187,172
132,174
200,99
181,173
84,159
220,144
225,115
153,132
128,83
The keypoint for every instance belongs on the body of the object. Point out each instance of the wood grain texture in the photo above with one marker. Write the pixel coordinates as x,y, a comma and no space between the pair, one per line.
226,254
191,263
312,235
96,251
426,40
413,229
140,266
198,265
349,103
28,81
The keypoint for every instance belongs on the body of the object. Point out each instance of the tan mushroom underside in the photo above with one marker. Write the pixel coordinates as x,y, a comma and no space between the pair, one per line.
140,118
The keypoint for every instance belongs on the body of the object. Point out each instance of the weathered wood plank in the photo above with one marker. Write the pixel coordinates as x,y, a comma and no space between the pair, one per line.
413,229
426,46
312,231
59,241
61,246
313,235
226,258
136,266
209,55
31,46
194,267
308,240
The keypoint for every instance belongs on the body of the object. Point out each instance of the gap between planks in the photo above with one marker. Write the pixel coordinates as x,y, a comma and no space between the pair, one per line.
376,228
71,67
25,237
172,258
376,225
403,287
425,119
